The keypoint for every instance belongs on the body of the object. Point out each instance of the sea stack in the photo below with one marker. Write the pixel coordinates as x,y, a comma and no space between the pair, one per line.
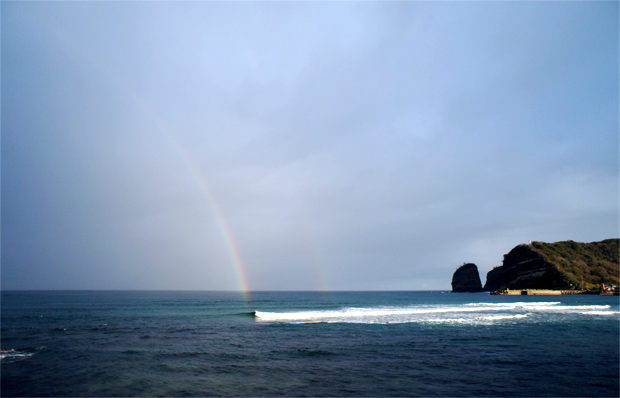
466,279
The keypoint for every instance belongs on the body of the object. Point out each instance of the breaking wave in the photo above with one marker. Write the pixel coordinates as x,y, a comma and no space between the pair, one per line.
10,355
465,313
601,313
498,317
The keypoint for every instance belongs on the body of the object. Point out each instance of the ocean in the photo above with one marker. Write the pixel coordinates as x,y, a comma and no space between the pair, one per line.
429,344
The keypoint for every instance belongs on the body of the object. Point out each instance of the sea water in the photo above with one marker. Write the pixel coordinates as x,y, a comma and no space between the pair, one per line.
129,343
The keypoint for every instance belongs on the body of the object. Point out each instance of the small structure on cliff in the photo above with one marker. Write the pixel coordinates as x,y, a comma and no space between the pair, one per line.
466,279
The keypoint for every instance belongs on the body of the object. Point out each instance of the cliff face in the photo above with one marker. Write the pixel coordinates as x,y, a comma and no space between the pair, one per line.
560,265
466,279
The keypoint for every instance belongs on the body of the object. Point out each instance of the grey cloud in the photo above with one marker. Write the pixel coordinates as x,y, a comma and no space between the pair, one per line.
347,145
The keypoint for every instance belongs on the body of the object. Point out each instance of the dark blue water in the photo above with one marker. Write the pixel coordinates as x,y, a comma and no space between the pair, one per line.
308,344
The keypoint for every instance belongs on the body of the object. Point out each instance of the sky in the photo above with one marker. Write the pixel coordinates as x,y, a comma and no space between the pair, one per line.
301,145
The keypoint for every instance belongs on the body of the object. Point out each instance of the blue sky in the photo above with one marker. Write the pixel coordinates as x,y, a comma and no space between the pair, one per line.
301,145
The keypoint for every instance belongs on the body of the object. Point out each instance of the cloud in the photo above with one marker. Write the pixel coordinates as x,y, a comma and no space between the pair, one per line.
344,145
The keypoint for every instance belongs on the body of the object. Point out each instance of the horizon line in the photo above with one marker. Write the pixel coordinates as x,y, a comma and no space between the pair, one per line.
221,290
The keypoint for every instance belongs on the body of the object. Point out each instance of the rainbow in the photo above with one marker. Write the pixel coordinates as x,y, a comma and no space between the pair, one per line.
224,228
222,224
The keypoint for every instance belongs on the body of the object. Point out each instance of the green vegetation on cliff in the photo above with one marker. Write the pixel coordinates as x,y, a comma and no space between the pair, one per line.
587,264
558,266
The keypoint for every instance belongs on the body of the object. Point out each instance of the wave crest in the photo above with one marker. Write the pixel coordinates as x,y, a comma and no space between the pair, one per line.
465,313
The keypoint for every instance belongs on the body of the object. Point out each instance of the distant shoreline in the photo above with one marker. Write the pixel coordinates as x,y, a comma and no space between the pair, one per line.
549,292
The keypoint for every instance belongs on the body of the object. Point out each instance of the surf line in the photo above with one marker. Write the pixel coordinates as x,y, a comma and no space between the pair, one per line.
227,236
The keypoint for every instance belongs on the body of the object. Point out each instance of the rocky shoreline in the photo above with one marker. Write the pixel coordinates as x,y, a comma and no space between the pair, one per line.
548,268
541,292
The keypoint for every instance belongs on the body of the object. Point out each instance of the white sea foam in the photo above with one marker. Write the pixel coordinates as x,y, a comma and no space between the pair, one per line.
365,313
8,356
569,308
498,317
466,313
600,313
517,304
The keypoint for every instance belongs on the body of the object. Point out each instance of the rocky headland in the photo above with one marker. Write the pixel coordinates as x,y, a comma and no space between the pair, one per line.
563,265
